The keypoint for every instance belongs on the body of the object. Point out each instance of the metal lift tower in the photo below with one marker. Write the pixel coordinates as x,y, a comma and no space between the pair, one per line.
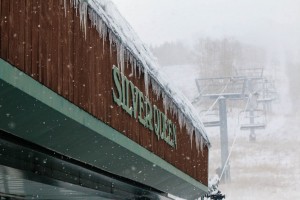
221,89
247,85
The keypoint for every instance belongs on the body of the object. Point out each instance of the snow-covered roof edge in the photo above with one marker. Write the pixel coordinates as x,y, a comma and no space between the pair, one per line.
108,21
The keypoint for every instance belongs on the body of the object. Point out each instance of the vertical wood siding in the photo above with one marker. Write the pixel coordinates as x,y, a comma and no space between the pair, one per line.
46,41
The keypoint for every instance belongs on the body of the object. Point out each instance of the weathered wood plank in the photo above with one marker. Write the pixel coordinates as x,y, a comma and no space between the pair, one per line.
49,46
35,39
58,54
28,36
43,53
91,63
64,51
5,26
59,42
70,47
80,51
85,69
21,41
55,45
76,54
0,23
12,33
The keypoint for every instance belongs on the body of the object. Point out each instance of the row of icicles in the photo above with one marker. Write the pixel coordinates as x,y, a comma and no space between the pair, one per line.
125,55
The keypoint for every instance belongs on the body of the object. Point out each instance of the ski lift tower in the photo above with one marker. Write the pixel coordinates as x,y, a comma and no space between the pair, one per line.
255,87
221,89
247,85
269,94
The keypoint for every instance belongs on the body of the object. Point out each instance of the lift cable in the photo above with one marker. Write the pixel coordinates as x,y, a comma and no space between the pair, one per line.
215,102
234,140
215,194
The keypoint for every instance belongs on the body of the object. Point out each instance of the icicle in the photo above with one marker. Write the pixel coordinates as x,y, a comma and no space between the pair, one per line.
101,27
180,119
129,60
131,51
121,56
140,70
197,139
189,127
65,7
176,111
98,23
118,48
201,143
83,6
154,88
165,102
146,80
75,5
135,65
169,103
191,138
173,109
110,40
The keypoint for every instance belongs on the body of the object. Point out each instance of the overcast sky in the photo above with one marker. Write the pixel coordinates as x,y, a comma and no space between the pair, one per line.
271,23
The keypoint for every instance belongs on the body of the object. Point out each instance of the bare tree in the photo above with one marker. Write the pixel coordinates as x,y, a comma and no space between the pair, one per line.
223,57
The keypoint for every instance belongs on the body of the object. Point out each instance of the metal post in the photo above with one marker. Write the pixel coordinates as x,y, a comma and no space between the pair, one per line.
224,140
264,95
252,136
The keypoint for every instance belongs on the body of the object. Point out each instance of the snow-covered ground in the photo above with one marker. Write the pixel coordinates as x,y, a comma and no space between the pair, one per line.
266,169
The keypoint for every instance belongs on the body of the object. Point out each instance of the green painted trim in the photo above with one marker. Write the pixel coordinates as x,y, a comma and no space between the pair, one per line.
25,83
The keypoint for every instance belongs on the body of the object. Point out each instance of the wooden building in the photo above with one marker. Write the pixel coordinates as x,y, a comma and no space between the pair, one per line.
84,102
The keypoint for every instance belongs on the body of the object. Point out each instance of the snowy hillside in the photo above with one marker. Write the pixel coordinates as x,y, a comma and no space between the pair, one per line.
266,169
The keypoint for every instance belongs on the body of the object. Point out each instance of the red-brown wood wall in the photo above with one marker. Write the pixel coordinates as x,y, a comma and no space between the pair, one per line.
45,40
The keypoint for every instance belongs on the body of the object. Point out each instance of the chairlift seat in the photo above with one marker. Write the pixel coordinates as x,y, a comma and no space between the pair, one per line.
211,123
253,126
265,100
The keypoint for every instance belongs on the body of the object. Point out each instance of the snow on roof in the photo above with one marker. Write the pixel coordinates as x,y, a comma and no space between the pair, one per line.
109,22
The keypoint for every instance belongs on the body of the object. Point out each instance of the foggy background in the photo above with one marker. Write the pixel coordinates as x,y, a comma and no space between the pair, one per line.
212,38
173,28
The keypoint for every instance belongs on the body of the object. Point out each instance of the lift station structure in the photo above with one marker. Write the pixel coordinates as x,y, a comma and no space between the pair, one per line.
248,86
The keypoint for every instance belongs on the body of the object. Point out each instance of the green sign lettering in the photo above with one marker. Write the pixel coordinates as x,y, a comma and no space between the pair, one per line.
116,77
134,103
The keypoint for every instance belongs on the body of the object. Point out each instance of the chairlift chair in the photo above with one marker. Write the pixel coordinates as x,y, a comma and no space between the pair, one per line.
213,116
259,119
